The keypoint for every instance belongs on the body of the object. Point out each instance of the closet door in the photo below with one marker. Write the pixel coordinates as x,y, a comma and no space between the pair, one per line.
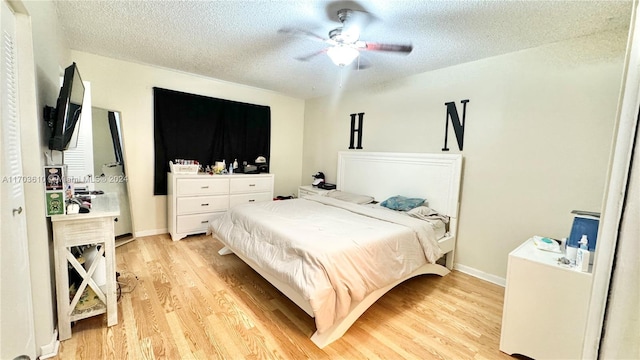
16,309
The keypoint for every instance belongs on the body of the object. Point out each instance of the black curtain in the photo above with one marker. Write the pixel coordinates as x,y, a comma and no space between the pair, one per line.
206,129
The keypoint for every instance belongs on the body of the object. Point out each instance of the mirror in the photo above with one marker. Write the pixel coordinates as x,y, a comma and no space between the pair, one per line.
108,167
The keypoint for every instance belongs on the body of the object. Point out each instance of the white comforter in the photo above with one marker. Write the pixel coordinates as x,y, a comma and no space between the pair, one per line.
332,252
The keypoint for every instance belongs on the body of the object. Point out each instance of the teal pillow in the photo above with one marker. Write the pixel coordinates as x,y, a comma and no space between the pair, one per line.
402,203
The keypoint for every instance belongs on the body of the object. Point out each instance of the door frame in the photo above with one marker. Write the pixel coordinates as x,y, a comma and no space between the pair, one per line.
615,190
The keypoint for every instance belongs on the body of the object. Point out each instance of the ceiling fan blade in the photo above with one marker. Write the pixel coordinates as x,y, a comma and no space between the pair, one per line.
370,46
309,56
303,33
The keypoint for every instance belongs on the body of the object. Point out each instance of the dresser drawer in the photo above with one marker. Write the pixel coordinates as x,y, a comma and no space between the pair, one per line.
251,184
201,204
307,190
207,186
193,223
249,198
86,231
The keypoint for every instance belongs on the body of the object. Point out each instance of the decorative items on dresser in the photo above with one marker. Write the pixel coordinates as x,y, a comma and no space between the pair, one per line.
194,199
94,267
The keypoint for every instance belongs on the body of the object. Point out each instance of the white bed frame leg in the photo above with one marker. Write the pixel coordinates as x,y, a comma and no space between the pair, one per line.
449,260
225,251
339,328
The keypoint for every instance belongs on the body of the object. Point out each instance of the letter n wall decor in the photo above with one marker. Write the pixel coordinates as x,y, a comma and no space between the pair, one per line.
458,126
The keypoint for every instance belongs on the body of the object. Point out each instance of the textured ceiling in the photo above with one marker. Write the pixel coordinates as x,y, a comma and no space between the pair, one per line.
238,41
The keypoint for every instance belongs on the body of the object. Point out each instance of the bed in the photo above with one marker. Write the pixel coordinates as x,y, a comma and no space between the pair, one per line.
335,258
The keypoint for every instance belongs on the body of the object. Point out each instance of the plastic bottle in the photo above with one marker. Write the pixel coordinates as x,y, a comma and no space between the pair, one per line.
582,256
583,242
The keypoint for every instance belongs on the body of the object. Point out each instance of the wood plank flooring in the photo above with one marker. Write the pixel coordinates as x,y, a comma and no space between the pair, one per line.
181,300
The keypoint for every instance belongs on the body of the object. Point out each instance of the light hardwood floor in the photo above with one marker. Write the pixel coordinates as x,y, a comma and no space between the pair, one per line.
181,300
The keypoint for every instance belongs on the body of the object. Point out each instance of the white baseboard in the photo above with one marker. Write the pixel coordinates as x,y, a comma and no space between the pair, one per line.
51,349
151,232
481,274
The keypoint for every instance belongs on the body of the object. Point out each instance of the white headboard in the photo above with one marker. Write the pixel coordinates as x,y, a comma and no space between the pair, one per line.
435,177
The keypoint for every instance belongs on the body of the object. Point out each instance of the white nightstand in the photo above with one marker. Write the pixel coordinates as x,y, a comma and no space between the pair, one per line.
545,306
310,190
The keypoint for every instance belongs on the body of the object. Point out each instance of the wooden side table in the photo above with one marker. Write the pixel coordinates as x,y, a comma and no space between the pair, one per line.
93,228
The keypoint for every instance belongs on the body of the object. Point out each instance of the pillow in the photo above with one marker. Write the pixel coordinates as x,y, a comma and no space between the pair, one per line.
402,203
426,213
349,197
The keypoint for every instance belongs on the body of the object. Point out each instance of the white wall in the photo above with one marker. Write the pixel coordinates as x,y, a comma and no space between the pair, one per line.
537,138
128,87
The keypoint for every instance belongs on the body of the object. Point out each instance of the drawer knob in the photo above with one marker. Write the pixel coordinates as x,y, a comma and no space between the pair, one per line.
204,221
252,184
251,200
204,204
204,187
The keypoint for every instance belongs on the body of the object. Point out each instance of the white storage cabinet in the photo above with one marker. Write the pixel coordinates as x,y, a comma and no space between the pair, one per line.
194,199
545,306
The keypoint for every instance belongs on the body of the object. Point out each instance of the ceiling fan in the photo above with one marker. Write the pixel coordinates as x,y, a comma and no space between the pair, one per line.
344,41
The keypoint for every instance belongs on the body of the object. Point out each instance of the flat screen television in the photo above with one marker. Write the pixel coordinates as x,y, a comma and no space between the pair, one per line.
64,119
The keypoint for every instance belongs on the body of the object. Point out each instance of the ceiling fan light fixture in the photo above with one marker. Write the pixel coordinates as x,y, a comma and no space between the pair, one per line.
342,55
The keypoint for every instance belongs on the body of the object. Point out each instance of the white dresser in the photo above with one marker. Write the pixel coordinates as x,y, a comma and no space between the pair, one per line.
193,199
545,306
